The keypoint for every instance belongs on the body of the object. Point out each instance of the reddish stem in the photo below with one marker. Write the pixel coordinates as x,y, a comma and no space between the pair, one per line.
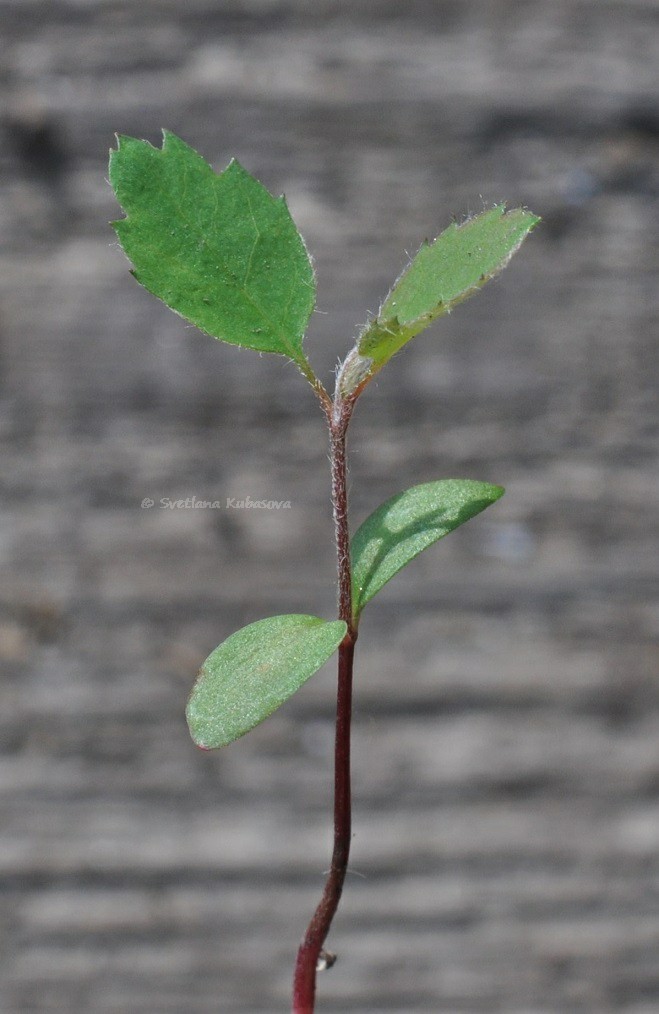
304,986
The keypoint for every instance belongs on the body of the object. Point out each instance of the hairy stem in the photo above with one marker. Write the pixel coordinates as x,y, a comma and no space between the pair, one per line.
304,986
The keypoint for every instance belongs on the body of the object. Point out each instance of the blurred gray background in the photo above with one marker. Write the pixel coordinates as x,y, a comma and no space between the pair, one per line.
506,741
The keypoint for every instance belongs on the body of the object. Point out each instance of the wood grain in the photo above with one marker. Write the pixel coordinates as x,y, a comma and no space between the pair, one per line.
506,818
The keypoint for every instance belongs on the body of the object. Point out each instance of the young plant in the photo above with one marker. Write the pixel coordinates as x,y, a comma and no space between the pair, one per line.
226,255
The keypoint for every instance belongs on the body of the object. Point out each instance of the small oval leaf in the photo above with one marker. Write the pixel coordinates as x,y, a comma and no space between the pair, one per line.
442,274
254,671
217,248
407,524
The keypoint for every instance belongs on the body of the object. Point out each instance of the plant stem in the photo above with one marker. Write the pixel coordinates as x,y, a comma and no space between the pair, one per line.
304,986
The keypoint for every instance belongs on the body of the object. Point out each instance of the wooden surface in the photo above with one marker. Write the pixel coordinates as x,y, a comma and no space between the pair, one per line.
506,847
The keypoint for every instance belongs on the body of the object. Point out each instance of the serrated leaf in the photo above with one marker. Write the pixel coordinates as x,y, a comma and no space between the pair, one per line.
254,671
216,248
407,524
443,273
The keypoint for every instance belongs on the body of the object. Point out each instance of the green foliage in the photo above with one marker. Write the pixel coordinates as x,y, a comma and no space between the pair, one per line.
217,249
254,671
407,524
444,273
225,255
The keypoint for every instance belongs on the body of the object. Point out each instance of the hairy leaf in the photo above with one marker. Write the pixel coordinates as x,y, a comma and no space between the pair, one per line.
443,273
407,524
254,671
217,249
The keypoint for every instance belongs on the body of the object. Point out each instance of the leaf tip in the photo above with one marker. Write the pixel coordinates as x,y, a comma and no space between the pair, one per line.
120,139
171,142
124,142
237,168
117,228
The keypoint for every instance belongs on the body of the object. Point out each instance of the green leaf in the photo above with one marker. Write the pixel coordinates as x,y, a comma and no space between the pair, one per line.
407,524
254,671
444,273
217,249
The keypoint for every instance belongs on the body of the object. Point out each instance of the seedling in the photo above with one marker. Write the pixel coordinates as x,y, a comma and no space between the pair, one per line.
226,255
